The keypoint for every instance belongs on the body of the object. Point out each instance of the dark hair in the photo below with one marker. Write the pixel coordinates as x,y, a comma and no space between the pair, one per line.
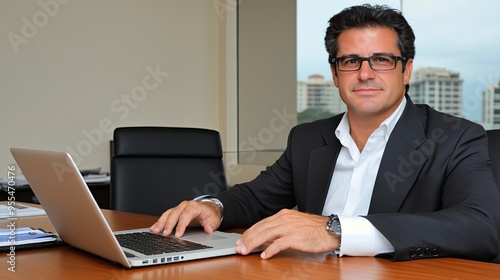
370,16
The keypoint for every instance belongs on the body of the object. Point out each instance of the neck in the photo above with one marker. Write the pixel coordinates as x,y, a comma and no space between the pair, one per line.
361,128
360,134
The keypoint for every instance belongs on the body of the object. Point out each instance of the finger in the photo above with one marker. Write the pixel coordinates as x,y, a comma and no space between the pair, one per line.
187,214
257,235
210,218
186,218
160,225
277,246
171,224
168,220
268,229
197,214
208,227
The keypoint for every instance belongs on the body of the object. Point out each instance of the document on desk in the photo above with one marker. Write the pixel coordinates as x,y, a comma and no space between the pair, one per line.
19,181
97,178
19,210
25,235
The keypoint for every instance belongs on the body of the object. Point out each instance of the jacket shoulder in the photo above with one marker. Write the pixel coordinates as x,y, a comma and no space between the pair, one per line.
446,122
320,125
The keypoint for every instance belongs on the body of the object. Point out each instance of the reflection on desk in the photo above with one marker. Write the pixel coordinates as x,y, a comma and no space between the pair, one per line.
59,262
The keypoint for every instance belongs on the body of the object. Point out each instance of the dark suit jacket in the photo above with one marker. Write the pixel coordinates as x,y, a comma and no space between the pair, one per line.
434,195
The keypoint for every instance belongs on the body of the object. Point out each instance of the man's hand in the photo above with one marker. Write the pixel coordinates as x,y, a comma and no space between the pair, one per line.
188,214
289,229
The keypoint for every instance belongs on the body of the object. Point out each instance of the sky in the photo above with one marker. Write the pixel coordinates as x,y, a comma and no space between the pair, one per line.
459,35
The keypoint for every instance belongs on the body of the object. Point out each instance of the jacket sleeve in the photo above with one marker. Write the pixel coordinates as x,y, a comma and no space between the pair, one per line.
466,223
271,191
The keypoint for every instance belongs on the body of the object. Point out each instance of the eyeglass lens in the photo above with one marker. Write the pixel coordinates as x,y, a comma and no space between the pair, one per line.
377,62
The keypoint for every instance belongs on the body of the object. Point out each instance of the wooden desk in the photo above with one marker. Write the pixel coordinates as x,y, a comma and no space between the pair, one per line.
69,263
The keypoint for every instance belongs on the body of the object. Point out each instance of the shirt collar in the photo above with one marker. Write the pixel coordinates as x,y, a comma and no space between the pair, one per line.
343,129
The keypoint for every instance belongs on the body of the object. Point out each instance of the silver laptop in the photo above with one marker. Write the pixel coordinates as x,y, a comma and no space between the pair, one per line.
70,206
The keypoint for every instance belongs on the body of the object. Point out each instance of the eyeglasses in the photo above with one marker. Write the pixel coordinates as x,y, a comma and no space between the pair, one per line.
378,62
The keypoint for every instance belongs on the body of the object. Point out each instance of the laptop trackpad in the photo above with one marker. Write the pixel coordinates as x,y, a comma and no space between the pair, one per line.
203,237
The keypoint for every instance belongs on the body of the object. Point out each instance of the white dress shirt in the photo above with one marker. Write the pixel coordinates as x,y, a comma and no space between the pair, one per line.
352,185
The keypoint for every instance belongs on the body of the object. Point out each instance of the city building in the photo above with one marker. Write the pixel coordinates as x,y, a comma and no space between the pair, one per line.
439,88
320,94
491,106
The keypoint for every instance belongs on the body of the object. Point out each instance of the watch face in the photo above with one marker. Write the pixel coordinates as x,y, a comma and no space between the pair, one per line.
333,226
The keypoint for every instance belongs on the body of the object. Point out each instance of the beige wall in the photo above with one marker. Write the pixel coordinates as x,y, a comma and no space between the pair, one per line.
73,70
267,78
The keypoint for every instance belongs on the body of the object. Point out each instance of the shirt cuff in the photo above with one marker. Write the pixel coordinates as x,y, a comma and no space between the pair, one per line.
361,238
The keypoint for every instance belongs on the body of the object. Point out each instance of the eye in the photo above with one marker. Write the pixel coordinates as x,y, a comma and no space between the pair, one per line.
350,61
382,59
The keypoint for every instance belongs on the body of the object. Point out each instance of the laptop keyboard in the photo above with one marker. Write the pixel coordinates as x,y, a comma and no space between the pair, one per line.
148,243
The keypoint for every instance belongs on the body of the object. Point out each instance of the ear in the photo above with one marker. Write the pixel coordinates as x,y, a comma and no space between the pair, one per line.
334,75
408,70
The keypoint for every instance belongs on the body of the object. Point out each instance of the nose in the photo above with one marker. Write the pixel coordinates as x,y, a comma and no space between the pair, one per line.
365,72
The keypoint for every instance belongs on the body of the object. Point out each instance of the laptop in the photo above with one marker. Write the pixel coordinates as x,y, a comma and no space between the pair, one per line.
70,206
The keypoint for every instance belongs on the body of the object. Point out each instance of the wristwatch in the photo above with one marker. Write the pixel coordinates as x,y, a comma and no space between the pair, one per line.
214,200
334,228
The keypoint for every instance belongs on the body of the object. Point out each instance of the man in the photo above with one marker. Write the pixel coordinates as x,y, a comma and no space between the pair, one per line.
387,178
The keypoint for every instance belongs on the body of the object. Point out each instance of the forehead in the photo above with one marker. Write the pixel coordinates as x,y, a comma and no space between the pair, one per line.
367,41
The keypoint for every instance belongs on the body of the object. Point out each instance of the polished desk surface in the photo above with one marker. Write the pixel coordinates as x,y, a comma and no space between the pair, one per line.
67,262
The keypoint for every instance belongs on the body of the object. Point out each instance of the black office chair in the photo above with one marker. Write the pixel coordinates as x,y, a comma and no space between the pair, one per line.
155,168
494,150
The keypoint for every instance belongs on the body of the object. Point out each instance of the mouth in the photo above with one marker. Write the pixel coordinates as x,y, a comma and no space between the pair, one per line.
365,91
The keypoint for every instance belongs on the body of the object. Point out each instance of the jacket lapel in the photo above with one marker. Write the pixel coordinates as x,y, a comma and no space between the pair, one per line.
401,162
320,169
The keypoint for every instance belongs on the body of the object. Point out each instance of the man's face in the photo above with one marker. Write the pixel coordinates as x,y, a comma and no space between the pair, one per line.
366,92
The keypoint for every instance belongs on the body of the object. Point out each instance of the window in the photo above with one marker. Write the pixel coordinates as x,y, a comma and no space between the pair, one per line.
281,52
461,53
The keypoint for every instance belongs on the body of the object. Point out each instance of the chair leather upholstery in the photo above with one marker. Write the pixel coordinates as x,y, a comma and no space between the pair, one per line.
155,168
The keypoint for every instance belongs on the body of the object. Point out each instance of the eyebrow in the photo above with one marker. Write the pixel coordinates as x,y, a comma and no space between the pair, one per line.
357,55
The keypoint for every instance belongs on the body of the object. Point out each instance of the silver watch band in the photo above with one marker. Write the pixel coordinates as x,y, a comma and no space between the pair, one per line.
334,228
214,200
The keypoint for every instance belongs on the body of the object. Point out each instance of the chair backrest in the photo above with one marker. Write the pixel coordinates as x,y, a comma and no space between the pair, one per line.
494,150
155,168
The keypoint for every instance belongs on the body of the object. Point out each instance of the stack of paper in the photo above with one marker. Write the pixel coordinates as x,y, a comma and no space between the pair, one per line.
19,210
24,235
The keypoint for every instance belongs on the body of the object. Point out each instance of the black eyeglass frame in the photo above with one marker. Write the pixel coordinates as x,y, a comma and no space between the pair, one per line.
362,58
